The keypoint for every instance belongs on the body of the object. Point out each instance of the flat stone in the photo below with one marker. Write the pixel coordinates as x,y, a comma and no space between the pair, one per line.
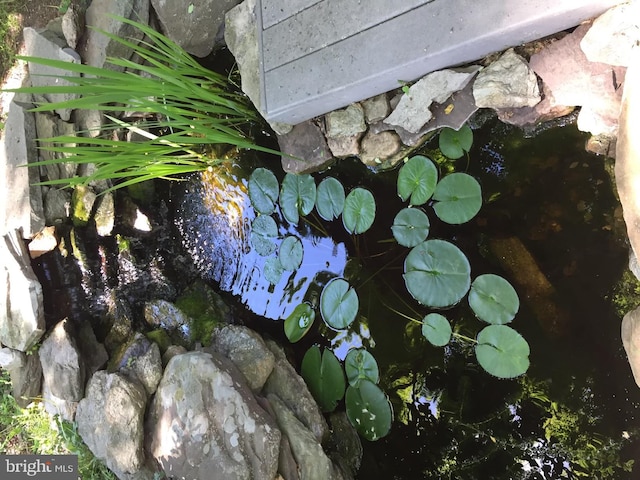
376,108
343,147
347,122
45,241
630,333
49,126
73,23
56,206
305,149
547,109
25,372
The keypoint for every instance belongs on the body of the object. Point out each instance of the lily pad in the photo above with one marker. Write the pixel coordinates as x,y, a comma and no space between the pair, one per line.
502,351
410,227
437,273
324,377
263,190
290,253
458,198
453,143
298,323
330,198
273,270
437,329
417,180
264,231
297,196
493,299
359,210
369,410
338,304
361,365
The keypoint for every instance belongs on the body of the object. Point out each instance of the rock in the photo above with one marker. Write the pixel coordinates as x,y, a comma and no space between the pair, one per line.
46,45
132,217
139,360
172,351
313,463
246,349
342,147
630,332
25,372
111,421
105,215
163,314
45,241
205,423
506,83
120,319
305,149
347,122
613,35
453,113
56,206
197,25
376,108
206,308
604,145
22,310
73,24
94,355
347,447
288,386
413,110
82,202
379,148
49,126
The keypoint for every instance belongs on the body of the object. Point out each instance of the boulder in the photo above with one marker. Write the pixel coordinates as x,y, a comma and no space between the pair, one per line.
205,423
630,332
379,148
163,314
347,122
305,149
25,372
139,360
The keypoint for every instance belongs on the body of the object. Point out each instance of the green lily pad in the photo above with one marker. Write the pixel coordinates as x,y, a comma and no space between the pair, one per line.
324,377
338,304
437,273
453,143
502,351
437,329
298,323
273,270
458,198
417,180
290,253
369,410
493,299
263,190
330,198
264,231
361,365
297,196
359,211
410,227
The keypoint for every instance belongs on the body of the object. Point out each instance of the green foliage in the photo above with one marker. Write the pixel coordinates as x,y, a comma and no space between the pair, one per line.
454,143
324,376
338,304
290,253
417,180
360,365
458,198
330,198
263,190
493,299
410,227
298,323
359,211
436,329
264,231
369,410
273,270
297,196
502,351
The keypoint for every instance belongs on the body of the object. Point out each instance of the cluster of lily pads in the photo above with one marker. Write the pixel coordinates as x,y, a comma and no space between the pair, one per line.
437,274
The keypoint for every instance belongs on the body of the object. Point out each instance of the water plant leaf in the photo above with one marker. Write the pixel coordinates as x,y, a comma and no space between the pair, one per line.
273,270
502,351
359,210
263,190
297,196
417,180
458,198
338,304
436,329
298,323
290,253
493,299
453,143
264,231
437,273
359,365
330,198
410,227
369,410
324,377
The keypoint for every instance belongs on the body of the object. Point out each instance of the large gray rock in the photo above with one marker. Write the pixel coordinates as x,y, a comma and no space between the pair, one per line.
21,306
49,126
140,361
346,122
205,423
63,371
163,314
25,372
305,149
196,25
111,422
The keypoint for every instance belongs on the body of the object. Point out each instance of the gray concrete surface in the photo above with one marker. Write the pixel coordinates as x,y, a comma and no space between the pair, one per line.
321,55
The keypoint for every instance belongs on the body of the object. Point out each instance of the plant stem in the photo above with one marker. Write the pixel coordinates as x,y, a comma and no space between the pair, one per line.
464,337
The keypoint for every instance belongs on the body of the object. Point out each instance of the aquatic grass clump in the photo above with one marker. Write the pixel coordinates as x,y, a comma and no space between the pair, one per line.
185,110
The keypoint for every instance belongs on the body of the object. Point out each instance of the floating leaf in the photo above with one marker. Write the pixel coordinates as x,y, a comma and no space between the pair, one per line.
290,253
493,299
369,410
330,198
437,273
338,304
263,190
273,270
297,196
417,180
359,210
298,323
410,227
458,198
360,365
502,351
437,329
453,143
263,233
324,377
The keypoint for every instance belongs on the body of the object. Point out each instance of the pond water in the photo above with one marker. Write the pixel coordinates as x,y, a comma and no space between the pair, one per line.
550,224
